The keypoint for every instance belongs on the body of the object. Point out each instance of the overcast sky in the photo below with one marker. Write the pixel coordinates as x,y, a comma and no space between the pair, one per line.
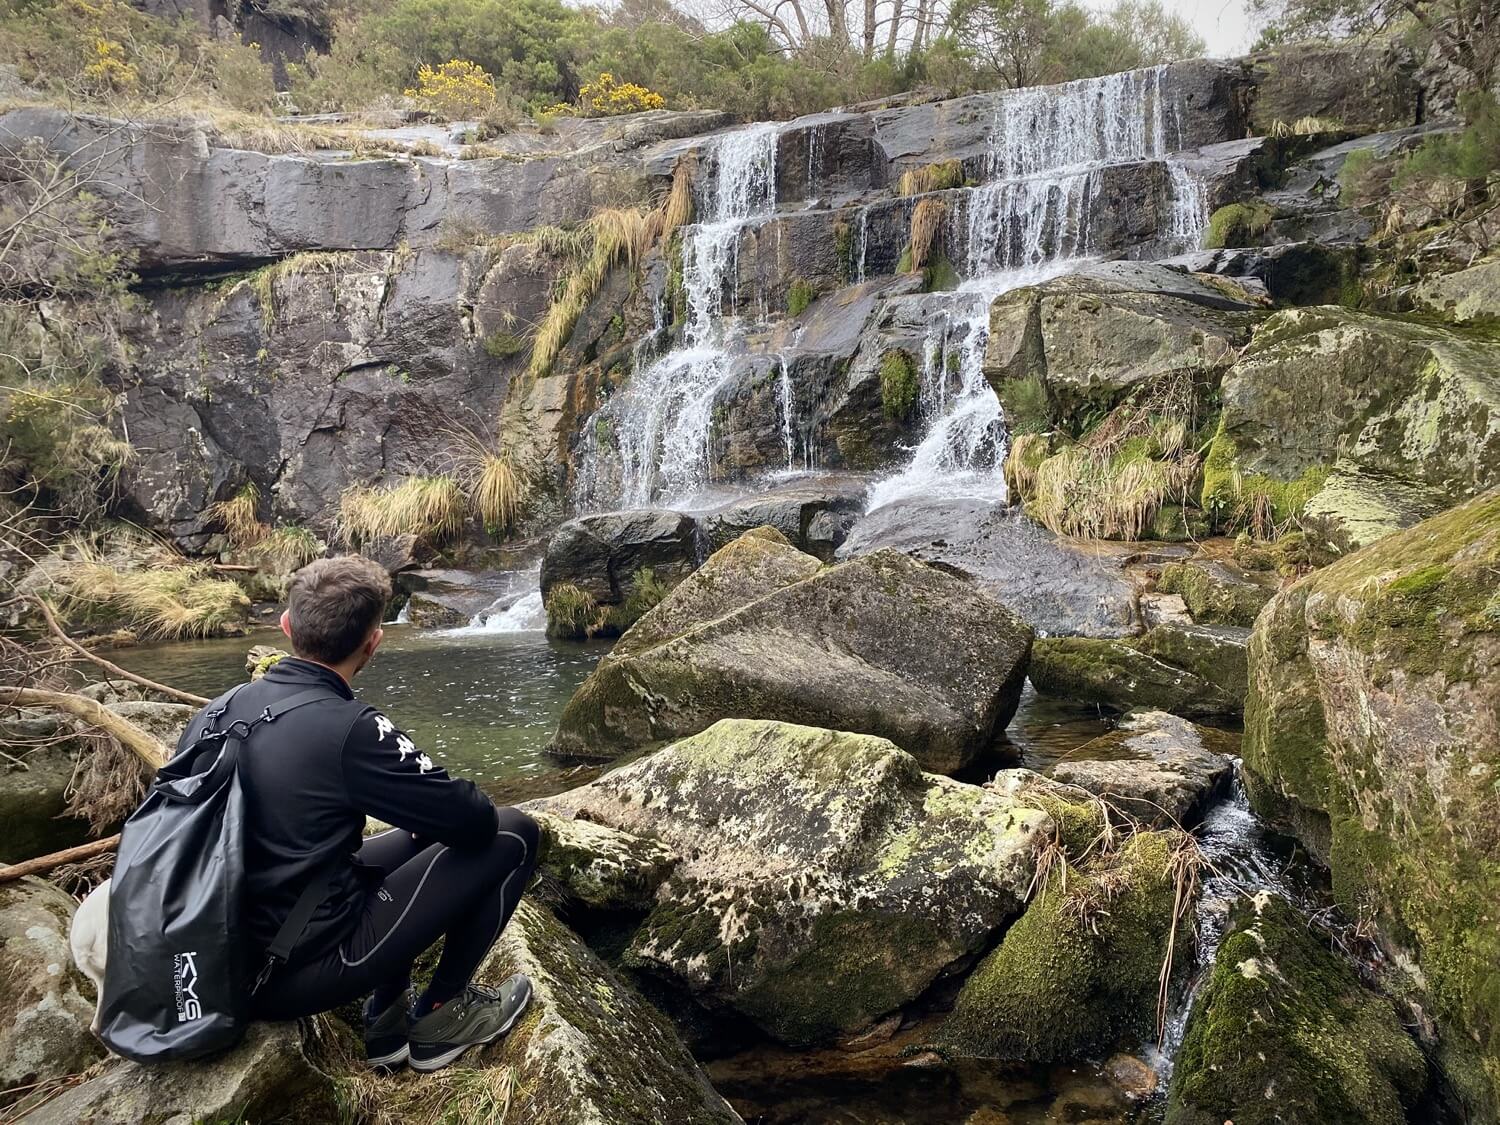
1224,24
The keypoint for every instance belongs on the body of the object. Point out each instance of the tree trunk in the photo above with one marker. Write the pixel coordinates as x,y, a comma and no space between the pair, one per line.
894,31
45,863
132,737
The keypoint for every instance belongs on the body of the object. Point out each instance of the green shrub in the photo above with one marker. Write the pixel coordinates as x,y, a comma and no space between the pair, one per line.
504,345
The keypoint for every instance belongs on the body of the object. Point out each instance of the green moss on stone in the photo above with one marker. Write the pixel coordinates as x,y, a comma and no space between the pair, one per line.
1214,594
1232,496
1026,406
799,296
1238,224
900,384
1283,1031
1080,968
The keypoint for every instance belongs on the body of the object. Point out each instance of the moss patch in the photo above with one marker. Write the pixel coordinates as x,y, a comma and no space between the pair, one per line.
799,296
900,384
1238,224
1283,1031
1081,967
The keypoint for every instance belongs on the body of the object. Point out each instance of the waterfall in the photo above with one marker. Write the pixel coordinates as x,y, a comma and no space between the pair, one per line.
664,415
1031,221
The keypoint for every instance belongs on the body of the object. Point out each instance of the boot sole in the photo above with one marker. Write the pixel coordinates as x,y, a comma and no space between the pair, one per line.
392,1060
437,1062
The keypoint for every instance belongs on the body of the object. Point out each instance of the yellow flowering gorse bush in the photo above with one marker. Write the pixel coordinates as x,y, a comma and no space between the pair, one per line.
604,97
457,89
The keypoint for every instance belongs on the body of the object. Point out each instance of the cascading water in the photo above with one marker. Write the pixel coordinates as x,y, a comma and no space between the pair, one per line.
662,425
1030,222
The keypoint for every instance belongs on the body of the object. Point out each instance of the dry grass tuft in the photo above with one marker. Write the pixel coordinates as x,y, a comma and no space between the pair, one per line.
127,578
287,549
941,176
239,516
926,226
496,484
614,236
1084,493
430,507
677,208
263,281
109,781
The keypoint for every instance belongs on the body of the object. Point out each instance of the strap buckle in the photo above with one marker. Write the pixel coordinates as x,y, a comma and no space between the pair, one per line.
272,964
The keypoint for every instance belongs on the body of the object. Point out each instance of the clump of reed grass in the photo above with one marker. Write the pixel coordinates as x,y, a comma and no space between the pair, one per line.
1304,127
430,507
239,516
614,236
939,176
677,208
572,613
926,225
1082,492
127,578
285,550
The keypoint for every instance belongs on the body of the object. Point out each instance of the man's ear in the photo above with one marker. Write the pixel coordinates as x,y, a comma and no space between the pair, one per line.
375,638
286,622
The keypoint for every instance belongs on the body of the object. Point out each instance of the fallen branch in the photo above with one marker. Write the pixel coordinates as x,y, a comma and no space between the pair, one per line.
45,863
113,669
145,746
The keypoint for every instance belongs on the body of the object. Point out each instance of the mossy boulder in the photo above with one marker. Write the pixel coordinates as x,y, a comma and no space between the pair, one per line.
1069,349
1372,731
1238,224
1120,674
1156,768
881,644
269,1076
1469,297
598,868
826,880
589,1049
1082,967
1217,590
46,1004
1413,407
34,779
1218,654
1283,1033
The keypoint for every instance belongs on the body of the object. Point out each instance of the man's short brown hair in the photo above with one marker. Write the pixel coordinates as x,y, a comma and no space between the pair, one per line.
334,604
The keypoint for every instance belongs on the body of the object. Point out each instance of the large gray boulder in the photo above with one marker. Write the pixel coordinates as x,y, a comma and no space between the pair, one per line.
613,567
34,778
1061,351
825,880
268,1077
1362,422
46,1005
881,644
815,516
589,1050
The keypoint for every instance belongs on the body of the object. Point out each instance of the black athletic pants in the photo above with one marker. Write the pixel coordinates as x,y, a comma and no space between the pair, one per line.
429,892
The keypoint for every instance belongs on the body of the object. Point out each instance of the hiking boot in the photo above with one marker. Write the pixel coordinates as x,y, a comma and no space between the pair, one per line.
475,1016
386,1032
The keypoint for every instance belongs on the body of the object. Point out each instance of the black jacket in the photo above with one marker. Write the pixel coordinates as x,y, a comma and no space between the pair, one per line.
310,778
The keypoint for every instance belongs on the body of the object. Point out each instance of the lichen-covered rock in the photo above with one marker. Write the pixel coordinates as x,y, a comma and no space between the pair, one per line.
46,1004
589,1050
1071,347
1155,767
825,881
600,868
1215,653
1372,730
1283,1033
1217,591
1387,399
1121,675
1470,296
881,644
268,1077
1082,966
1356,84
164,721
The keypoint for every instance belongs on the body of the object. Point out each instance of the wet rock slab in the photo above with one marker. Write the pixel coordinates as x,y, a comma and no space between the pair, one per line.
1155,767
1058,586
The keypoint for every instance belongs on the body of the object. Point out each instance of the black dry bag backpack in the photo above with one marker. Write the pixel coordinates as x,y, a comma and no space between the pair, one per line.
177,977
